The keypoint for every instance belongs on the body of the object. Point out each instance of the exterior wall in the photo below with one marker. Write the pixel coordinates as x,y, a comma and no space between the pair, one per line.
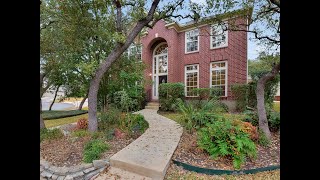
235,54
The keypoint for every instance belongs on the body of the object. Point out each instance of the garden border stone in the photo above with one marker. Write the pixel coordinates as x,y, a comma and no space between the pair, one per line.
82,171
220,171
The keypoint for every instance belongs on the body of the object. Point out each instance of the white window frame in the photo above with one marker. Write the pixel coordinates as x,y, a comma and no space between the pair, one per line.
185,77
129,52
185,41
226,76
211,36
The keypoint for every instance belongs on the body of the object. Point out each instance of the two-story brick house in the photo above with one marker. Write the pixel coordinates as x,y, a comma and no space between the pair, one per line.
199,56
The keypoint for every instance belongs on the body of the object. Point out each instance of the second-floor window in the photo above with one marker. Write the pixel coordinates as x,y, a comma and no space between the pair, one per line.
192,41
219,36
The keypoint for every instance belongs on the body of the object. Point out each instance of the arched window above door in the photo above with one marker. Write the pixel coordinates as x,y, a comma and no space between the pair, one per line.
161,49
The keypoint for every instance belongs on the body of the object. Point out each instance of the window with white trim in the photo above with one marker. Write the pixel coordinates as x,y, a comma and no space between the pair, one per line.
191,80
192,41
135,51
218,77
219,37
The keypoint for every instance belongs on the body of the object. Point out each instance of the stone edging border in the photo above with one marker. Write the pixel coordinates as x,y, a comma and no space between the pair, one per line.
219,171
83,171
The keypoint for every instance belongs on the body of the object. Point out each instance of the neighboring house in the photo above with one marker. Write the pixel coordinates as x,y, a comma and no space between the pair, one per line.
188,54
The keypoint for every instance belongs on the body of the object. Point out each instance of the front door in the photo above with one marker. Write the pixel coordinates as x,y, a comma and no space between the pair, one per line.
159,69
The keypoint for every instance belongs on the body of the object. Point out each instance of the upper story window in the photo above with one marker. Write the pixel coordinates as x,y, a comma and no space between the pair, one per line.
192,41
135,51
219,37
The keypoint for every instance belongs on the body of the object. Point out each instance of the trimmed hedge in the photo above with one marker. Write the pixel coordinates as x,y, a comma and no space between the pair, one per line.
47,115
168,95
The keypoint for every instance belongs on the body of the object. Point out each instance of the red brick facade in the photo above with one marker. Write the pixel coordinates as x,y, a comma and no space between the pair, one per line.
235,54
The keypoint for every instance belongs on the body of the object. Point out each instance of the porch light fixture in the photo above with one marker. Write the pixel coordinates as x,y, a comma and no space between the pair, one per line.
150,74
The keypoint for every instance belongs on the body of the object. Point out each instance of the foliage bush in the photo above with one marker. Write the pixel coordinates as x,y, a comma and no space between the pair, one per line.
133,123
274,121
108,118
272,116
248,128
82,123
80,133
50,134
123,102
195,118
168,95
124,75
93,150
245,94
223,138
251,117
263,140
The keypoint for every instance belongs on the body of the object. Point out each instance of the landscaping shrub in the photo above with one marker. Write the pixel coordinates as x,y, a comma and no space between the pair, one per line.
50,134
110,117
274,121
223,138
93,150
134,123
168,95
272,116
248,128
123,102
123,75
80,133
196,114
263,140
251,117
239,92
82,123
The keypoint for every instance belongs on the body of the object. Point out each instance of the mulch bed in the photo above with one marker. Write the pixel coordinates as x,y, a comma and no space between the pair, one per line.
188,152
68,151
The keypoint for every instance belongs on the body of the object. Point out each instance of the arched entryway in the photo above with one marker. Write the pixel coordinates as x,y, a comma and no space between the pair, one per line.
159,68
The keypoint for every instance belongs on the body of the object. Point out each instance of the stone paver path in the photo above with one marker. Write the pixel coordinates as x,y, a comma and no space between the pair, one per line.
150,154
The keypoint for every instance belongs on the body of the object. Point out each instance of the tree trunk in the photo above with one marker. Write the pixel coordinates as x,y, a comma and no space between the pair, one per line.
54,99
263,121
42,125
83,100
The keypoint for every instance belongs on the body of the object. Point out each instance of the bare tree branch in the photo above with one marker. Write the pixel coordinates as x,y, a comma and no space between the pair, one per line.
276,2
46,25
119,15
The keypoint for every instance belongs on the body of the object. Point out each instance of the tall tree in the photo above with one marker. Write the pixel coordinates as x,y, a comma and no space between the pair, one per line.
142,19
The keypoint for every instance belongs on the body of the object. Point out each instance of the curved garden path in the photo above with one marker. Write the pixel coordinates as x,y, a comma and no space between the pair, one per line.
150,154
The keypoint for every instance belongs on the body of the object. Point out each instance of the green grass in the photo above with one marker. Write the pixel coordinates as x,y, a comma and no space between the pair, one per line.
46,115
171,115
276,106
93,150
61,121
50,134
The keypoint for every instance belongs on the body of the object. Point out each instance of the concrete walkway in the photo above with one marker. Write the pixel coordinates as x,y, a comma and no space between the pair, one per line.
150,154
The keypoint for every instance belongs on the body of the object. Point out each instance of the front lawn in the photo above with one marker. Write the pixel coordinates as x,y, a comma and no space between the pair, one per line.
61,121
46,115
276,106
